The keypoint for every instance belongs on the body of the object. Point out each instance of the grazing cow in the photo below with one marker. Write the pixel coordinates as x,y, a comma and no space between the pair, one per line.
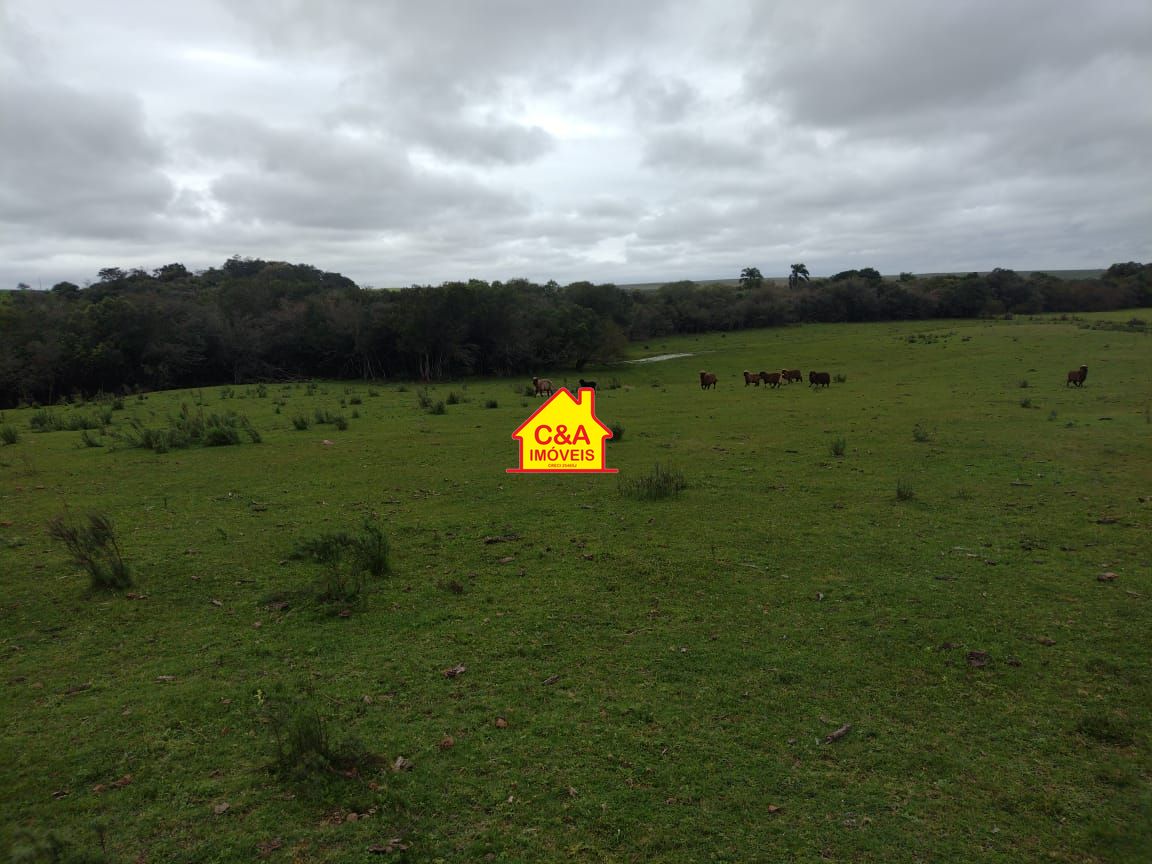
542,385
791,375
707,379
819,379
591,385
751,378
772,379
1077,376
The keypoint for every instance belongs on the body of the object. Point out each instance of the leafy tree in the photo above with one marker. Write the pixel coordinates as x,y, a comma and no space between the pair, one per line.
798,275
751,278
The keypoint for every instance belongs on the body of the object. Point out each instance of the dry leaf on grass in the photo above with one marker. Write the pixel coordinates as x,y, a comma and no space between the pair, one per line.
269,846
501,723
447,743
402,764
772,808
221,808
456,671
1106,577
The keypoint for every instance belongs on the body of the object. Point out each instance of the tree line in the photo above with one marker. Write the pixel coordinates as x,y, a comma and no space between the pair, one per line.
254,320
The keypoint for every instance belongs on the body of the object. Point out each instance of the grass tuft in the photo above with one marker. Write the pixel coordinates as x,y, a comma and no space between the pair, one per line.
95,548
663,481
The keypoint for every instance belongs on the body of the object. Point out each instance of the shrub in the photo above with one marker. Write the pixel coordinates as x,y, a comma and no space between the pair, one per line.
491,403
366,551
373,393
302,739
1024,385
839,378
1025,403
300,422
904,490
340,422
662,482
838,446
118,403
355,400
95,548
453,397
9,434
438,408
86,440
617,432
424,398
919,433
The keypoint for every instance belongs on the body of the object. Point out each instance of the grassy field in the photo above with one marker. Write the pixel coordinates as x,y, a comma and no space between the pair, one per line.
642,680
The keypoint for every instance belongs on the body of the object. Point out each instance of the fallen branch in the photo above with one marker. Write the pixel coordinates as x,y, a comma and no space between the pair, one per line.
838,734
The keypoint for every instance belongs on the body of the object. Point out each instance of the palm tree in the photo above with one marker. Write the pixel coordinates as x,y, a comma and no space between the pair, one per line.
799,274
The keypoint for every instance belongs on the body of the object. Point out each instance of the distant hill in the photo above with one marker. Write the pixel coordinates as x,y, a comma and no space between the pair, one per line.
783,280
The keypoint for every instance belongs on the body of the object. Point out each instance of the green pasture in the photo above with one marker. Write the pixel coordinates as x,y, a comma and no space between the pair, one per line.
644,681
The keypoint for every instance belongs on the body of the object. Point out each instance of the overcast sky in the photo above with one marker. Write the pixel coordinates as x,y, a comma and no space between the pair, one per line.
419,141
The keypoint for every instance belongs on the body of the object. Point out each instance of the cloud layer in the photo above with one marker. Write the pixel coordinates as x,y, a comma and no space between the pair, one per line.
647,141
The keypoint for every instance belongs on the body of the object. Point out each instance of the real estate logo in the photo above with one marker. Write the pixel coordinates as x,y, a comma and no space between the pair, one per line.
563,436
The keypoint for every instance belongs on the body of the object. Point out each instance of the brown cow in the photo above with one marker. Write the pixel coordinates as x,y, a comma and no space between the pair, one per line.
1077,376
542,385
772,379
707,379
819,379
791,375
751,378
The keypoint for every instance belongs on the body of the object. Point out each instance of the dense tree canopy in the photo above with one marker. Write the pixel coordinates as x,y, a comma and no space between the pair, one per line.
251,320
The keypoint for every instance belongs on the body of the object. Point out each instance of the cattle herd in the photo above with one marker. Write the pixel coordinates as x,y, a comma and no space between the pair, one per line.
774,379
771,379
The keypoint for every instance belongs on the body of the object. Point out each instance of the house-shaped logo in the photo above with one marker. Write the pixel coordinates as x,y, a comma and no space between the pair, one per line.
563,436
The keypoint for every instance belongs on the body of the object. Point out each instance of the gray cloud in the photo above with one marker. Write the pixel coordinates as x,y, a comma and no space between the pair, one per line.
641,141
77,162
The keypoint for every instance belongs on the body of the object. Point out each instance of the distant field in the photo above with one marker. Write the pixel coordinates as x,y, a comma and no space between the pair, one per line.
643,680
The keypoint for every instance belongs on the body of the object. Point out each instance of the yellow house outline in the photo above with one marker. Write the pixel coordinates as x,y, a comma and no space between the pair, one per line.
566,433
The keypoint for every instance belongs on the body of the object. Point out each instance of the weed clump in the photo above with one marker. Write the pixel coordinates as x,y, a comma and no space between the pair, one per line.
663,481
346,558
1025,403
617,432
303,744
9,435
920,434
190,429
840,378
438,408
904,490
95,548
424,398
491,403
453,398
300,423
838,446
